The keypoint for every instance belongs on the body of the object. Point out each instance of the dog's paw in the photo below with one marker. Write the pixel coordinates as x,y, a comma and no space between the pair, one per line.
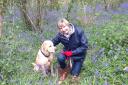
36,67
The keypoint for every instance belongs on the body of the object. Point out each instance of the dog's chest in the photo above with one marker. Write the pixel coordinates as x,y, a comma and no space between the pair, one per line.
43,59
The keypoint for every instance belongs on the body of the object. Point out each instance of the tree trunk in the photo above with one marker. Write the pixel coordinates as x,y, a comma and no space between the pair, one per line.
70,6
38,17
1,22
105,5
29,23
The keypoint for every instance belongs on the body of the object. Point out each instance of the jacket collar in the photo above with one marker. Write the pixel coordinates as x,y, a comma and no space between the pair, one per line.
44,54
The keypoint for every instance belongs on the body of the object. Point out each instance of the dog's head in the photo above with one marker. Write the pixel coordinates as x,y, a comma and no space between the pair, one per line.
48,46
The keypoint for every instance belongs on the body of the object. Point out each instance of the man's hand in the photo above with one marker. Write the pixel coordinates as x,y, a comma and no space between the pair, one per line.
68,53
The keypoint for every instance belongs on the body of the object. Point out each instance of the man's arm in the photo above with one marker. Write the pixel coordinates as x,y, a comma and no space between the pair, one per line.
84,45
56,40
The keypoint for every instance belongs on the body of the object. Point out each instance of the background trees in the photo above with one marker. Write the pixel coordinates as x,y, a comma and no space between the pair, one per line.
33,13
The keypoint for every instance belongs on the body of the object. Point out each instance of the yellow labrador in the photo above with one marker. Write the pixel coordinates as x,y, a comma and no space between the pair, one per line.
45,57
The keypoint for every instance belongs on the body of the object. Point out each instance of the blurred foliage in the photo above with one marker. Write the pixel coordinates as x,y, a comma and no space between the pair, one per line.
105,60
34,11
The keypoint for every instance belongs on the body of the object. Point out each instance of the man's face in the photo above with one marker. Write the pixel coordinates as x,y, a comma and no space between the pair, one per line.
64,29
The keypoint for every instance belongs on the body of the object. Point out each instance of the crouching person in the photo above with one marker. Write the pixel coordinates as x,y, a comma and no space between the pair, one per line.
75,47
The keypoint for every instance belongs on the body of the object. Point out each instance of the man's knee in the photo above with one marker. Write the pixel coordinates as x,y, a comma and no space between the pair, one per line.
77,68
61,58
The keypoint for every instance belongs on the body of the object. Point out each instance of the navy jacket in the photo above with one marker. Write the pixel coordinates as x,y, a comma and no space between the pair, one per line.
77,43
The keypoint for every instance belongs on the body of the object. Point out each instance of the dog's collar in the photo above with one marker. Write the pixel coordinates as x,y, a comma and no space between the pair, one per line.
44,54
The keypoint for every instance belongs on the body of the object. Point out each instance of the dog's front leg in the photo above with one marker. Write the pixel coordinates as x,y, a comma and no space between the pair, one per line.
52,70
43,69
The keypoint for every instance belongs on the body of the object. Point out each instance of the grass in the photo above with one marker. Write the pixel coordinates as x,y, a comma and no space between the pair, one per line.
104,62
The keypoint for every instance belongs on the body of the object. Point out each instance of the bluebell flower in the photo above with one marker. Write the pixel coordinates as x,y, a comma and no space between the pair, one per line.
105,64
127,50
101,52
50,82
88,9
94,45
94,59
97,73
106,82
117,69
1,76
124,5
110,52
126,69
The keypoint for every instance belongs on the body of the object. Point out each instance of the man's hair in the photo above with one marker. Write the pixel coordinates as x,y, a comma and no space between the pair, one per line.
63,20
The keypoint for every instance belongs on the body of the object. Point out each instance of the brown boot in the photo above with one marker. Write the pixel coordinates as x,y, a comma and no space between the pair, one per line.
75,78
63,73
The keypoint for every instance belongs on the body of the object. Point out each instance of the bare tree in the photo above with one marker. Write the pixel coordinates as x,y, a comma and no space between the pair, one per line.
26,18
111,4
39,5
70,6
2,6
38,17
1,22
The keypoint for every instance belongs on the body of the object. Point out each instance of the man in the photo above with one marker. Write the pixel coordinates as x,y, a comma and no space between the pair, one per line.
75,47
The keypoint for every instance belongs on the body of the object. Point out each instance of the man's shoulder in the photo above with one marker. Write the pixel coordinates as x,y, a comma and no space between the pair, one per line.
78,29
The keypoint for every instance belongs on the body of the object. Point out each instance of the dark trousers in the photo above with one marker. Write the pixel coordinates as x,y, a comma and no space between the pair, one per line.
76,64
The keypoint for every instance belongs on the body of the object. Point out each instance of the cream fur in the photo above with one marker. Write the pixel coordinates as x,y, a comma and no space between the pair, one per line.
44,57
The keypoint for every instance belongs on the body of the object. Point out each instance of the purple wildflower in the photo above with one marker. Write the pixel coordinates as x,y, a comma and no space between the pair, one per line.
101,52
126,69
127,50
106,82
110,52
105,64
94,59
124,5
1,76
97,73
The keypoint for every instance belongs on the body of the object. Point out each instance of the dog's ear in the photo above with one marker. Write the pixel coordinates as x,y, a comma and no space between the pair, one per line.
43,46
